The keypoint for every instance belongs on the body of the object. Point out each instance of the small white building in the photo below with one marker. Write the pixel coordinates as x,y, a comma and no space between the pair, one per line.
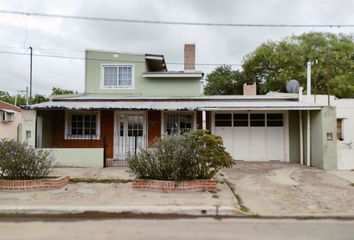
10,121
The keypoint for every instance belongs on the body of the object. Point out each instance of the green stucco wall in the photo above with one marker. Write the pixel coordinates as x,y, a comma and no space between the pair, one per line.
316,139
323,150
329,147
294,137
142,86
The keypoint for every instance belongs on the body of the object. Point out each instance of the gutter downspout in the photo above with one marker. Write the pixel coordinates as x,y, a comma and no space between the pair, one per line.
308,132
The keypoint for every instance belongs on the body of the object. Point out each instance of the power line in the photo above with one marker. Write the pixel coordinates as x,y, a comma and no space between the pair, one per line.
111,60
207,24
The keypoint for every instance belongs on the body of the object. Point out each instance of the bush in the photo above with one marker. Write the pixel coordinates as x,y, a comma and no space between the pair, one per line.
19,161
194,155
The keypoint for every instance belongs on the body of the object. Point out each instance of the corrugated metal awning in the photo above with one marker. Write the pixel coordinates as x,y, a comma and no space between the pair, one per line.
176,105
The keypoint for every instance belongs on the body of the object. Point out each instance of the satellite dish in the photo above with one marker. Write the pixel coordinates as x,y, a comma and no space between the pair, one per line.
293,86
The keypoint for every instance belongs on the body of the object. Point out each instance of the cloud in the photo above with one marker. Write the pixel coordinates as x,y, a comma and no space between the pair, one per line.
214,44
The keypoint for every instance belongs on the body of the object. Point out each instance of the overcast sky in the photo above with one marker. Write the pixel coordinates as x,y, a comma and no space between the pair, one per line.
214,44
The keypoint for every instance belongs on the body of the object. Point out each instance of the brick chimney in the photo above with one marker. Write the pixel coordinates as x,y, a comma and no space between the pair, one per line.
189,57
249,89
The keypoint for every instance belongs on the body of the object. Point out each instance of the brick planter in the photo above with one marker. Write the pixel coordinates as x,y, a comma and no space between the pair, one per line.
157,185
34,184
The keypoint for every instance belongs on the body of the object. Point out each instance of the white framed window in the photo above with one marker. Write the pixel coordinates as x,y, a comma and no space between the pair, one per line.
7,115
117,76
178,123
82,125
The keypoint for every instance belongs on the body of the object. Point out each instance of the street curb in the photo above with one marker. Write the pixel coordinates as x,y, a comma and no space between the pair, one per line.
138,210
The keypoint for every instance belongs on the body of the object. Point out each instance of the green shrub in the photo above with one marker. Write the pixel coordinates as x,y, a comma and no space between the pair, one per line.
194,155
20,161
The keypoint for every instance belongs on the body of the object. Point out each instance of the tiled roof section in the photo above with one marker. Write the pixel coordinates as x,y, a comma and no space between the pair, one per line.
5,105
190,105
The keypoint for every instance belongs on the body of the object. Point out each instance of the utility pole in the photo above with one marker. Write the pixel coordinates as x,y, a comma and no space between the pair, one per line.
30,48
22,91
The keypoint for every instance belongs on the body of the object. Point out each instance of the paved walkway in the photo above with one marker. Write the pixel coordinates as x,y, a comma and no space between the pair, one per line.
95,173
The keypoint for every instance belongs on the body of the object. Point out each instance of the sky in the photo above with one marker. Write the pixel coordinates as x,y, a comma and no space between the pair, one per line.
224,45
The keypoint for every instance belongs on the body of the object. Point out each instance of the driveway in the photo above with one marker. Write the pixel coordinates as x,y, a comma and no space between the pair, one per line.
274,188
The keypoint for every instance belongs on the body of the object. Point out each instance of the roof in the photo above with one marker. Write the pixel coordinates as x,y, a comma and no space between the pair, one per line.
9,106
107,97
190,105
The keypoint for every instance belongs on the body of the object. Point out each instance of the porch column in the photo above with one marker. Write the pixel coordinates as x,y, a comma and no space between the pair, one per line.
204,120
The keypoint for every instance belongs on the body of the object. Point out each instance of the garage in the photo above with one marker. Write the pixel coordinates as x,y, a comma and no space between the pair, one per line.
253,136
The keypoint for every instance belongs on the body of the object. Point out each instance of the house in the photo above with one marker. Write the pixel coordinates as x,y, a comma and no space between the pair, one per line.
10,121
132,99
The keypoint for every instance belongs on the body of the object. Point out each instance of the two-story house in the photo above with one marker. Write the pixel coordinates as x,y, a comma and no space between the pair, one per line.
132,99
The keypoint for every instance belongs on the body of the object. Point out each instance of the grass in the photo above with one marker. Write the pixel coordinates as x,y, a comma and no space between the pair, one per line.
352,184
243,207
93,180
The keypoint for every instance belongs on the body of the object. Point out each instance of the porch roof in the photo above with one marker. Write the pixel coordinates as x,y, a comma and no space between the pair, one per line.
209,105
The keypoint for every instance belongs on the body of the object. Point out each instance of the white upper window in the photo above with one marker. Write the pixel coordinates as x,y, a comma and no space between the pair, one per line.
118,76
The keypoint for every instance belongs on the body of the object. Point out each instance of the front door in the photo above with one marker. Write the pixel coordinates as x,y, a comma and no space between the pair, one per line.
130,134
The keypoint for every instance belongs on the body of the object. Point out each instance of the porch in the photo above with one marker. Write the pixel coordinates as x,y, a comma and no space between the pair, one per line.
110,135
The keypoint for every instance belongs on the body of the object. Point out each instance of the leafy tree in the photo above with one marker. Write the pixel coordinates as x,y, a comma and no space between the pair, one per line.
60,91
224,81
39,98
6,97
272,64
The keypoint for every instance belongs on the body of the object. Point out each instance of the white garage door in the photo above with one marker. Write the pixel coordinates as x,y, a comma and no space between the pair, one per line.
252,136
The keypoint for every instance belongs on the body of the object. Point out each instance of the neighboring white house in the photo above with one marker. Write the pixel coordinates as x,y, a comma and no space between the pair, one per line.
345,127
345,133
10,121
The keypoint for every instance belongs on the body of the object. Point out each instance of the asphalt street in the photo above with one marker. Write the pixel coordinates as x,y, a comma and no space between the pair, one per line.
200,228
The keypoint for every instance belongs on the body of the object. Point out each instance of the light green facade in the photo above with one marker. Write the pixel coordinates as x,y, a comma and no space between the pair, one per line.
323,149
323,139
172,87
294,137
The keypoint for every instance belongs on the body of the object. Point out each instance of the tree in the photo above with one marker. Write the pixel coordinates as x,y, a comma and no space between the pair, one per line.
60,91
272,64
224,81
39,98
6,97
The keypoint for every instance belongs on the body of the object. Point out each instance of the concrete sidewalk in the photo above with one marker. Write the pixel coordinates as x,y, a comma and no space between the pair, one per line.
116,197
271,189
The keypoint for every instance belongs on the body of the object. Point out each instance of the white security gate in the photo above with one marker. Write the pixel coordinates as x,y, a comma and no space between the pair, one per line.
253,136
130,134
